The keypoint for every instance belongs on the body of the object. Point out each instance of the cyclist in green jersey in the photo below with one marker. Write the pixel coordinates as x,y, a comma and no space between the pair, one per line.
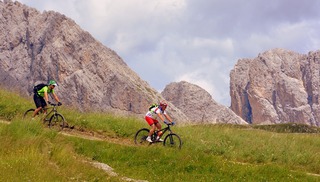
41,96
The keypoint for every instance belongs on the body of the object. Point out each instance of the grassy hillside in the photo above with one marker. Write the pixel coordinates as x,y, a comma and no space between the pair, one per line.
31,152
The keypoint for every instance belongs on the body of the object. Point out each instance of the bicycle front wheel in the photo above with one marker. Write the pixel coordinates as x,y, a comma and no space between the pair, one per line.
172,140
57,122
28,114
141,136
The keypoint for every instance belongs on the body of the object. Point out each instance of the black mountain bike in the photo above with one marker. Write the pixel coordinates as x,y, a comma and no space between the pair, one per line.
170,140
52,118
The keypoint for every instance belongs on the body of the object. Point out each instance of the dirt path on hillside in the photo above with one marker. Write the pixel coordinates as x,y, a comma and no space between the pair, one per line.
4,122
91,135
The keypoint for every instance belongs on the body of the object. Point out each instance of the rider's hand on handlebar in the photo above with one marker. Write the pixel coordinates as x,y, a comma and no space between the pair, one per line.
59,103
50,103
173,123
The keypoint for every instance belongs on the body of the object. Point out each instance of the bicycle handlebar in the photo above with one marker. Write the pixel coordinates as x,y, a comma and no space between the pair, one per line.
52,104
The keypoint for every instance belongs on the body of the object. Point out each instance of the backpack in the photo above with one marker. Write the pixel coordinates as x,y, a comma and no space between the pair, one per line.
153,106
38,87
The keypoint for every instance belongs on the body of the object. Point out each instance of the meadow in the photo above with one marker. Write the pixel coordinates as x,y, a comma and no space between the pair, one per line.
29,151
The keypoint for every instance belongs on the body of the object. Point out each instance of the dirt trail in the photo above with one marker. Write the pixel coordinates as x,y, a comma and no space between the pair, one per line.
91,135
4,122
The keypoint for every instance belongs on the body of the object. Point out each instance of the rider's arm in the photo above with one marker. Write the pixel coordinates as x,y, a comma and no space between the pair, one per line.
46,98
55,97
168,117
160,116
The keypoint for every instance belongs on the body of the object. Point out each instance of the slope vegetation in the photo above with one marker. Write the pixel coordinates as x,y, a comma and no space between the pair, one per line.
32,152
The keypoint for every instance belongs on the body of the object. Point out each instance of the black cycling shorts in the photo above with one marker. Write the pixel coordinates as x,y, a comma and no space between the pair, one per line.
39,101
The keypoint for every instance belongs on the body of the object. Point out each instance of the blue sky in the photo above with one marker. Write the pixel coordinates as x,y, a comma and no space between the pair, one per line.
198,41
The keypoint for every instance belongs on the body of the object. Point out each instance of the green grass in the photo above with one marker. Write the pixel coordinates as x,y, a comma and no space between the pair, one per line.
31,152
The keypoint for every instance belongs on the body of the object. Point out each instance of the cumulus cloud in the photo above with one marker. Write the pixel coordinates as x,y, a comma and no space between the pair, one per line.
194,40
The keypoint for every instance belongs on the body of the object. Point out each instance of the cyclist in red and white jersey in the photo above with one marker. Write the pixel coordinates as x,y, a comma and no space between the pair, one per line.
151,118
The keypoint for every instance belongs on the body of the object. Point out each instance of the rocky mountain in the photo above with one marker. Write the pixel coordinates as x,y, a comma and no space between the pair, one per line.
278,86
39,46
198,104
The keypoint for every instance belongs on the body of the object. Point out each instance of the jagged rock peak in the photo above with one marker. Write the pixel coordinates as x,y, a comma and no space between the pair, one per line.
278,86
198,104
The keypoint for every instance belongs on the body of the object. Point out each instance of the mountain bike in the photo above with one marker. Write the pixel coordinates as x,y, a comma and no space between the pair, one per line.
171,139
51,117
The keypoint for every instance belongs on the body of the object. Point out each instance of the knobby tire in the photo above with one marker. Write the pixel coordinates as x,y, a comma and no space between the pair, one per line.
172,140
57,122
28,114
141,136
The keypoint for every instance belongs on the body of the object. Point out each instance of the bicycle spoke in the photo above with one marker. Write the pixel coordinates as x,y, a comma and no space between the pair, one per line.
57,122
172,140
141,136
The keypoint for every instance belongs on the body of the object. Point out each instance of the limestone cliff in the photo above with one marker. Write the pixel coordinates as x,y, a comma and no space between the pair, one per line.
278,86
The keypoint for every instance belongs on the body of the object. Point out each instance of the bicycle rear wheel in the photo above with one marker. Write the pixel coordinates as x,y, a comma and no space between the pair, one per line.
28,114
141,136
57,122
172,140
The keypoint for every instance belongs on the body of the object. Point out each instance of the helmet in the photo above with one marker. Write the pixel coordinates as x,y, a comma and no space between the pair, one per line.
163,103
52,82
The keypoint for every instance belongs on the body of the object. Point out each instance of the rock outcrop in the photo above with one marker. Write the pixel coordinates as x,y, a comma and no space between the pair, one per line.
278,86
41,46
198,104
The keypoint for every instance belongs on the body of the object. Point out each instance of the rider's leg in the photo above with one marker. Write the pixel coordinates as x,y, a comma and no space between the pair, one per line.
36,111
151,123
43,105
153,128
158,125
38,103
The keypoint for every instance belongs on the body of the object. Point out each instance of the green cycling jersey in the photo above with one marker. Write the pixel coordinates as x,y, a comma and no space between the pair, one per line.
45,89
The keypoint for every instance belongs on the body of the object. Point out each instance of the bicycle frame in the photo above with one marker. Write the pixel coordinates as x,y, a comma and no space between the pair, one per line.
52,110
163,130
51,116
